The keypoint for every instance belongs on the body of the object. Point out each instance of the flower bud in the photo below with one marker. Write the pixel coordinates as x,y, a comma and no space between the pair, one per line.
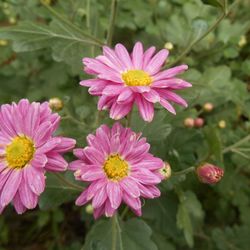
209,174
199,122
165,171
208,107
168,46
89,209
243,41
3,42
189,122
222,124
56,104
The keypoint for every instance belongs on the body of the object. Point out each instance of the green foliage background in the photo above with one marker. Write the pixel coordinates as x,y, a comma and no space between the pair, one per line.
43,59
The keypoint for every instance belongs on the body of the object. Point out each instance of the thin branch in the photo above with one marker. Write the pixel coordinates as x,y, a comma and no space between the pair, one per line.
68,183
114,6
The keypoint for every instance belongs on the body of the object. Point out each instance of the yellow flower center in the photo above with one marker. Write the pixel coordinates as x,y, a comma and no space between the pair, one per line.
136,78
19,152
115,167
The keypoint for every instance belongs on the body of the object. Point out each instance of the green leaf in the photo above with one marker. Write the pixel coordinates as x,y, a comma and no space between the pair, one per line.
184,223
134,234
215,3
214,142
67,44
199,28
56,193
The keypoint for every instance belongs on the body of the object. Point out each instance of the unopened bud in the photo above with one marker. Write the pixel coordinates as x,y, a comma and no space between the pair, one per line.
243,41
3,42
222,124
189,122
168,46
56,104
209,174
89,209
199,122
12,20
165,171
208,107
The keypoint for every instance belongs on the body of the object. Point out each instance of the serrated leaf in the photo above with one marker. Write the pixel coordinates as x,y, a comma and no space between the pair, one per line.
56,193
67,44
134,234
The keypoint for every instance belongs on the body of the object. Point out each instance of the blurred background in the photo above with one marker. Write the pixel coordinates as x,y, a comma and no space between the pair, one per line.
41,47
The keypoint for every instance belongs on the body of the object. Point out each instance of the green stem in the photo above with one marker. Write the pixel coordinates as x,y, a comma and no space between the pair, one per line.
114,231
124,212
184,172
129,118
235,145
112,22
192,44
68,183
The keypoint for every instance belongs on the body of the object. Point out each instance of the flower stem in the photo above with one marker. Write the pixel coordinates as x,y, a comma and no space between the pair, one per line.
192,44
68,183
235,145
114,231
184,172
114,6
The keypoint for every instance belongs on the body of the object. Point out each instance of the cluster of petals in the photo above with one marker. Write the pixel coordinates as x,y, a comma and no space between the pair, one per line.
123,79
118,168
27,150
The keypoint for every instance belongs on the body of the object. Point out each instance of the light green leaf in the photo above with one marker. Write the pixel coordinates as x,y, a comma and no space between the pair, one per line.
135,234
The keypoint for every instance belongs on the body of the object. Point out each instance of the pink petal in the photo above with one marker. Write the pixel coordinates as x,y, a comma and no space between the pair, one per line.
35,179
146,109
132,202
65,145
147,56
109,211
10,187
118,111
115,194
130,187
167,106
173,83
43,133
125,96
169,73
93,174
82,199
123,54
152,96
20,208
137,55
28,198
98,212
39,160
146,177
55,162
156,62
171,96
113,90
99,198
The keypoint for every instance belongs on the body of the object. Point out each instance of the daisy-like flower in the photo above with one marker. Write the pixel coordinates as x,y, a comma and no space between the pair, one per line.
124,79
118,168
27,150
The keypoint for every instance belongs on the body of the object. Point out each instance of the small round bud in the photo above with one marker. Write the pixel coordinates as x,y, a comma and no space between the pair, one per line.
222,124
243,41
3,42
56,104
208,107
168,46
189,122
209,174
199,122
165,171
12,20
89,209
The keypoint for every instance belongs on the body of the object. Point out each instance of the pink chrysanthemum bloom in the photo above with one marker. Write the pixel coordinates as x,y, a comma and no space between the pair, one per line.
124,79
119,168
27,150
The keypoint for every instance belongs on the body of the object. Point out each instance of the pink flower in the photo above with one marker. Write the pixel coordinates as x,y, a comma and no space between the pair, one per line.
27,150
209,174
118,167
124,79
